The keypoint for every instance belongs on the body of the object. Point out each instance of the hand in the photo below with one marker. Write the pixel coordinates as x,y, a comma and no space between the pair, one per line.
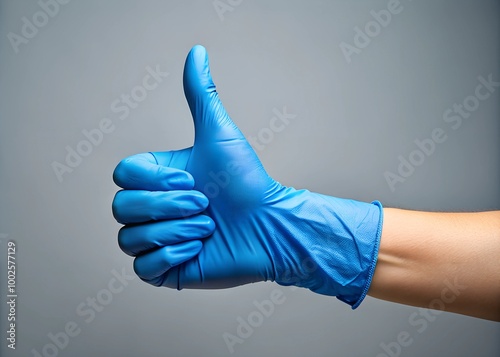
209,216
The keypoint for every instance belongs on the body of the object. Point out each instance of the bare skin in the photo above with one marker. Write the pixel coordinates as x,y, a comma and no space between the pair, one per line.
445,261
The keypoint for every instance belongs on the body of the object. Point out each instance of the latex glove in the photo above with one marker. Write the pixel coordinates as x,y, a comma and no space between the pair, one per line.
256,229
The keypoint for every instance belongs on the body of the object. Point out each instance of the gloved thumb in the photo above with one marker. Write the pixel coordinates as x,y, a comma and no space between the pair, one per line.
211,121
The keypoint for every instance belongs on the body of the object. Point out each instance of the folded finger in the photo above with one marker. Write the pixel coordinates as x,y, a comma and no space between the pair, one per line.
138,239
131,206
142,172
152,267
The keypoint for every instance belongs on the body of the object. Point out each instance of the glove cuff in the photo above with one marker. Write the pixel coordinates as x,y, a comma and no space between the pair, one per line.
326,244
374,256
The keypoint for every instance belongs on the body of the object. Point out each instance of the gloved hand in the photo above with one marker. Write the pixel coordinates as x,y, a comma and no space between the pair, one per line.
209,216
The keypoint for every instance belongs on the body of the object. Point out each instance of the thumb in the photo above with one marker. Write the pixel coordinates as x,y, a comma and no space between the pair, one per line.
211,121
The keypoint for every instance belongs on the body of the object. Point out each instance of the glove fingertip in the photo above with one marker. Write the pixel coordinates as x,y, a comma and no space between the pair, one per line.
178,180
154,264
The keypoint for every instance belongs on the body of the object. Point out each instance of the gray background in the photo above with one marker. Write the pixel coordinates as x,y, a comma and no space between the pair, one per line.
353,120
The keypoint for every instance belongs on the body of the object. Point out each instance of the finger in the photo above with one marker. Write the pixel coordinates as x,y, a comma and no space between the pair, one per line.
151,267
176,159
211,121
130,206
142,172
134,240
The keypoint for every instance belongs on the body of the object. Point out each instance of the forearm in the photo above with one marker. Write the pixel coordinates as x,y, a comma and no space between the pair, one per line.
447,261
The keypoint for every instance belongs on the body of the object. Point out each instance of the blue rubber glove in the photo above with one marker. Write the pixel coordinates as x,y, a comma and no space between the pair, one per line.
209,216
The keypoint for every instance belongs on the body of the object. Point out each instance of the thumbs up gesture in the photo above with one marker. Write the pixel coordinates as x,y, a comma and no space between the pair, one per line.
209,216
